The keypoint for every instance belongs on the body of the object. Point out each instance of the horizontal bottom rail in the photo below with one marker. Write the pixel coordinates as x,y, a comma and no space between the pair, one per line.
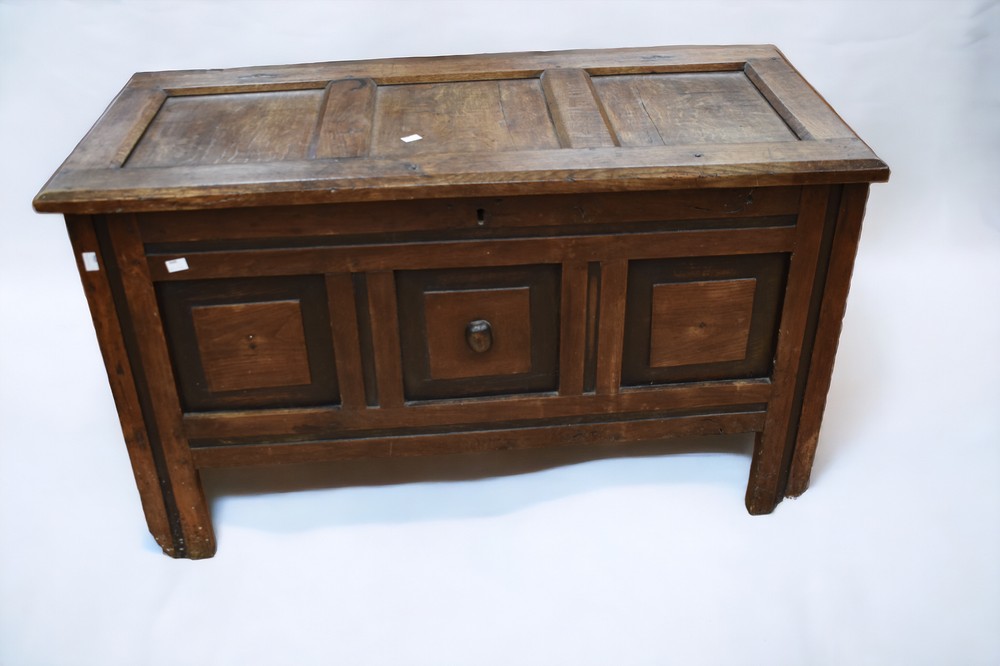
234,455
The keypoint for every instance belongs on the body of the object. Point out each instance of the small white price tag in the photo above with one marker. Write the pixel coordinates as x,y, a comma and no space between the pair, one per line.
176,265
90,262
410,138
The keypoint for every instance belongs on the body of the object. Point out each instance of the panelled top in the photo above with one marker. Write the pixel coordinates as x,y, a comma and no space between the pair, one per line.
504,124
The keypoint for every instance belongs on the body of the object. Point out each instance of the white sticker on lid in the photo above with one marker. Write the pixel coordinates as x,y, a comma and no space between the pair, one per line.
176,265
410,138
90,262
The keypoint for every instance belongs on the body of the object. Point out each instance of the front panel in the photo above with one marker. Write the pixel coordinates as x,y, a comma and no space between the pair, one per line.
281,327
250,342
702,318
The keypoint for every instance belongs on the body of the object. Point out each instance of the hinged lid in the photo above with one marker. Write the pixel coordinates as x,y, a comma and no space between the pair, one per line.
505,124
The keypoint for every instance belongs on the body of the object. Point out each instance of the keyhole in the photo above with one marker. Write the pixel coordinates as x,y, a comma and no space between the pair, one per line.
480,216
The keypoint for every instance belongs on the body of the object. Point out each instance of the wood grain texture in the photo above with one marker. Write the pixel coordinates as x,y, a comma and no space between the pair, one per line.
441,175
678,109
796,101
252,345
513,215
573,328
477,441
767,271
491,66
229,129
346,340
611,325
460,254
289,361
385,335
344,126
472,116
279,136
831,316
580,119
773,448
700,322
593,310
435,306
108,144
197,537
329,421
448,314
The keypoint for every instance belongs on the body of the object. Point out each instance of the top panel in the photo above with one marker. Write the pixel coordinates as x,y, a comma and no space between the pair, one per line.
616,120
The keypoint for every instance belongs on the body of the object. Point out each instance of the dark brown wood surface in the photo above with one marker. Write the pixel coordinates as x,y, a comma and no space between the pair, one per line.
521,302
252,345
610,432
193,534
249,342
315,422
773,449
382,314
440,255
700,322
573,328
157,499
653,349
511,216
831,314
346,339
501,346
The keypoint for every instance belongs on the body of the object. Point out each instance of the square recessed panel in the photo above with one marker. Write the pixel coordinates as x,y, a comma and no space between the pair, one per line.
463,116
521,304
702,318
698,109
250,342
252,345
504,313
700,322
230,129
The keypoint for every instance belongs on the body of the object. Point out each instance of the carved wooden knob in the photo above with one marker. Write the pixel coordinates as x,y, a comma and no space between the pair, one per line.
479,335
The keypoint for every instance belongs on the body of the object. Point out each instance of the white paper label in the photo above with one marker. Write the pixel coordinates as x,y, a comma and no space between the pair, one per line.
176,265
410,138
90,262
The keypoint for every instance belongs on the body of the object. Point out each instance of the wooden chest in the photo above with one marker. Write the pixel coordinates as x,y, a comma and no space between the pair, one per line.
437,255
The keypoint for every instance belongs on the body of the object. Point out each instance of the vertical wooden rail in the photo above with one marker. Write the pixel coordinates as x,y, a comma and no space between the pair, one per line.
831,317
385,338
344,125
346,342
771,447
611,325
193,518
573,325
577,113
120,375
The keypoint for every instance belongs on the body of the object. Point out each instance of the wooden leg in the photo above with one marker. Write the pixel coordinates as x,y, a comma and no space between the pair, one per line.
772,449
838,279
126,317
761,498
94,275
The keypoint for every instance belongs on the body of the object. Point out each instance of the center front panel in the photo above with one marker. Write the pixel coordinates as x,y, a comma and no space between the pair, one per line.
479,332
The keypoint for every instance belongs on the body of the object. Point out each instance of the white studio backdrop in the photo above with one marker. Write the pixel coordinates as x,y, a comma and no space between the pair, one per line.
609,556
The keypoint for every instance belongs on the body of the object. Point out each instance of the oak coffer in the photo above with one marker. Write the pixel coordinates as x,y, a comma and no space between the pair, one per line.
436,255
